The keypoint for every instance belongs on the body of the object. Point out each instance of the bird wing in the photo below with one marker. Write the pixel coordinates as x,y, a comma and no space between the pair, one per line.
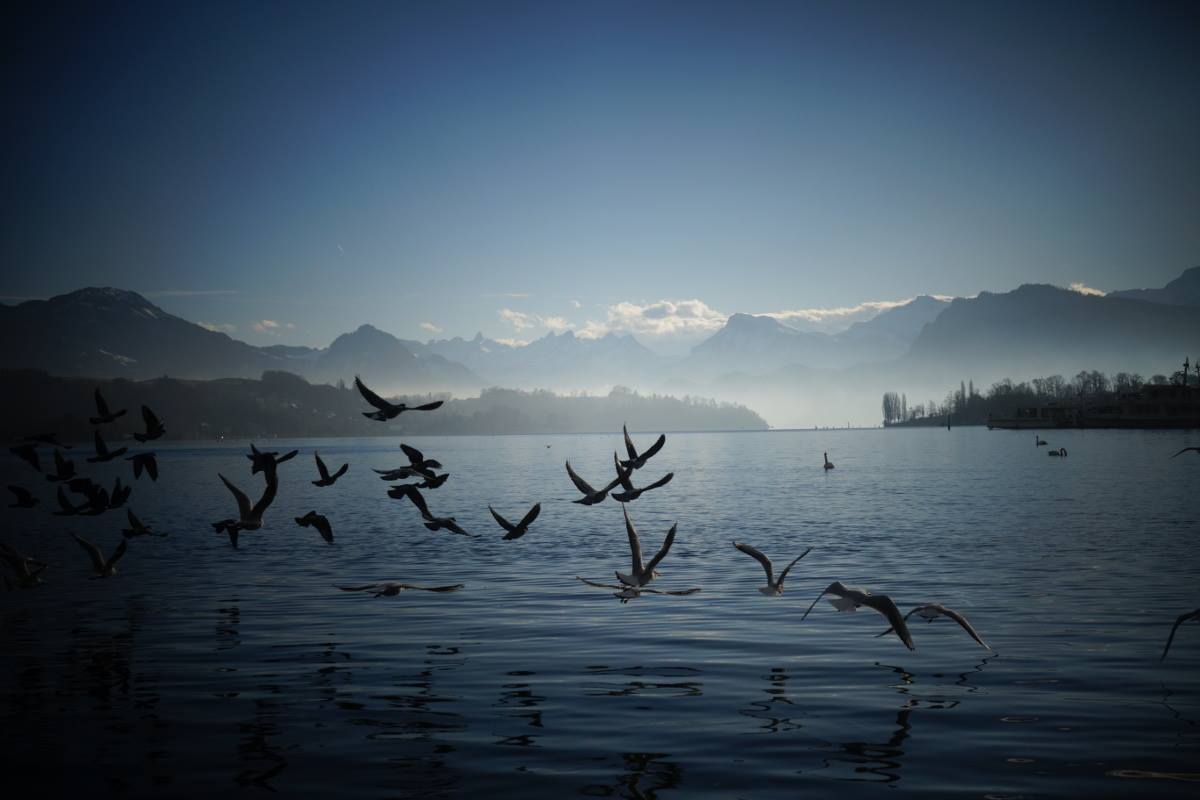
579,482
429,407
601,585
662,551
814,605
454,527
101,447
1184,450
61,464
362,588
341,471
414,455
371,397
635,546
101,406
622,477
243,502
122,546
151,465
528,519
676,592
92,551
286,457
134,522
22,494
418,500
508,526
1179,621
321,523
663,481
757,555
149,418
321,466
885,606
268,496
629,448
966,626
654,448
783,575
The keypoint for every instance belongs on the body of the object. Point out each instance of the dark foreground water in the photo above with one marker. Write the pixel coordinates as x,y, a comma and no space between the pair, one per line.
200,670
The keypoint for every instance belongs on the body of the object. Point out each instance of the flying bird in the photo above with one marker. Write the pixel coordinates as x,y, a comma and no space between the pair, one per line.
630,494
47,438
418,460
431,522
137,527
851,598
102,567
641,574
386,410
400,473
21,565
636,461
103,415
97,501
522,527
65,507
1184,450
774,586
828,463
321,523
267,461
22,496
327,479
119,494
626,593
154,428
592,496
64,468
250,518
391,588
27,453
434,482
931,611
103,454
1191,615
144,462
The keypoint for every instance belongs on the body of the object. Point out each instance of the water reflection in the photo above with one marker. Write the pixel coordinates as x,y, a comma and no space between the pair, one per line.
645,775
520,695
776,710
692,688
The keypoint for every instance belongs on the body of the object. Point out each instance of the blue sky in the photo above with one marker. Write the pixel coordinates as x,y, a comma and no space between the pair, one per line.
442,168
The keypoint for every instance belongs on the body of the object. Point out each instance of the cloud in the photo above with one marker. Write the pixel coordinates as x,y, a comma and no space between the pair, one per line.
218,327
513,342
663,318
518,319
1077,286
191,292
839,316
557,324
265,326
429,326
576,304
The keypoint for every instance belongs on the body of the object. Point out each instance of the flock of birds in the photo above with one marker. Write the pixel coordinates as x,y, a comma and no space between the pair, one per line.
26,572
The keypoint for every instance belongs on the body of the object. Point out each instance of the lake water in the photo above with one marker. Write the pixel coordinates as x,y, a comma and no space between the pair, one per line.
200,669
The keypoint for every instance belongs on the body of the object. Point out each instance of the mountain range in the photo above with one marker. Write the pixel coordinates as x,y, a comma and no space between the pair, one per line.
785,373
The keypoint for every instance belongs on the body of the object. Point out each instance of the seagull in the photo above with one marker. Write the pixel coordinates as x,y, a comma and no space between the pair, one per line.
249,517
388,410
269,460
931,611
64,468
23,497
97,501
65,507
103,454
828,463
418,460
137,527
590,495
119,494
27,453
1184,450
103,415
630,494
1191,615
774,587
641,574
1062,451
327,479
144,461
400,473
47,438
522,527
627,593
434,482
104,568
636,461
850,598
154,428
391,588
431,522
321,523
26,578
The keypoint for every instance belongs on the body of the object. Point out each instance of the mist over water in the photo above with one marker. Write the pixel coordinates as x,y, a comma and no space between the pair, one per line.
199,669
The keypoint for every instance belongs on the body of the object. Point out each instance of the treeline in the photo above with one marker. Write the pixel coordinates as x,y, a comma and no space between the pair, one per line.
966,406
283,404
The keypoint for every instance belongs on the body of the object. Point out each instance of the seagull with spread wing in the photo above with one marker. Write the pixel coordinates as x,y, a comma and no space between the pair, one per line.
636,461
385,410
103,415
327,478
154,428
931,611
23,497
391,588
630,494
641,574
103,454
592,496
522,527
137,527
431,522
314,520
101,566
774,586
851,598
250,518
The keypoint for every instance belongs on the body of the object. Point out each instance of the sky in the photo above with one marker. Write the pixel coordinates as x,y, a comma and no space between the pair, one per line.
288,171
